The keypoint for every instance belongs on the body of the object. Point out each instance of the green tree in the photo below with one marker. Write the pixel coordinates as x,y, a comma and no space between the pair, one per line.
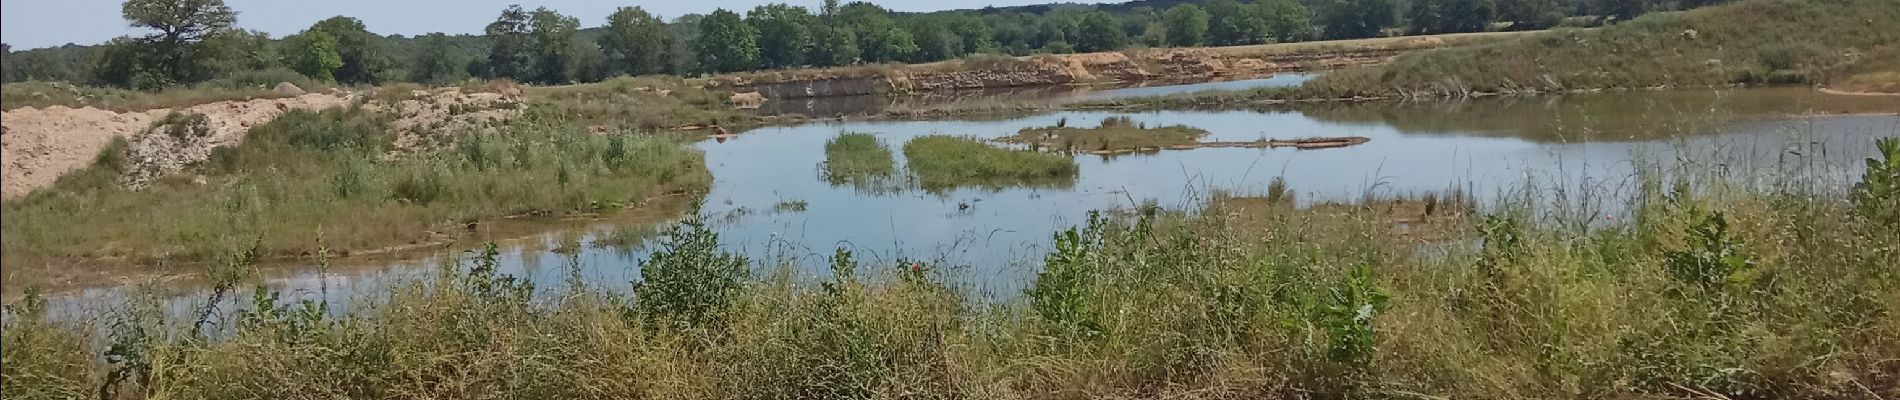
1531,14
1186,25
833,43
879,37
364,56
175,53
1100,32
1286,20
977,36
511,54
440,60
126,62
1353,19
634,43
1450,16
1235,24
313,53
934,39
555,38
726,43
234,51
784,34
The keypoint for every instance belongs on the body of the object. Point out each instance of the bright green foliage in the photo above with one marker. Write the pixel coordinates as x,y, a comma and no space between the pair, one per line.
784,34
857,159
365,58
726,43
635,43
313,53
940,162
1450,16
880,39
1060,294
1285,20
1878,193
689,283
1100,32
1352,19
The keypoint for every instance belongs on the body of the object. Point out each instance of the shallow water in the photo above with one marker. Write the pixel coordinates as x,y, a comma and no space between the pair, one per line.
995,238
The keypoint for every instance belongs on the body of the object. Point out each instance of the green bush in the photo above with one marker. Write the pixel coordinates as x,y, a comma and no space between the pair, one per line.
940,162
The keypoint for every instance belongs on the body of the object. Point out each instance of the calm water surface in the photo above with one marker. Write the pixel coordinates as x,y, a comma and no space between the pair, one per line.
995,238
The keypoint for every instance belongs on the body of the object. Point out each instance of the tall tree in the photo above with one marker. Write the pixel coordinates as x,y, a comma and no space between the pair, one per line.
1286,20
879,38
784,34
175,54
234,51
1450,16
313,53
555,39
1186,25
833,43
1100,32
635,43
977,36
364,57
726,43
511,55
440,60
1352,19
934,39
1234,24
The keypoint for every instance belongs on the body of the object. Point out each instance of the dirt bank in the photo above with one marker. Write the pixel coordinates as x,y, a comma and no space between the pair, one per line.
1172,65
41,144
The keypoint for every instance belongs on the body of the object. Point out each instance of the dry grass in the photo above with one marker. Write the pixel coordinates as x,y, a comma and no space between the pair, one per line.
1113,136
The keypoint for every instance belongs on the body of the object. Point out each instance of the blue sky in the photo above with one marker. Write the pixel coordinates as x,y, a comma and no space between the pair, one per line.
26,24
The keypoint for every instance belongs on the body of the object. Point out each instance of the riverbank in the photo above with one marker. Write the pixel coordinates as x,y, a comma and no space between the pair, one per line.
1790,42
1161,65
325,172
1705,289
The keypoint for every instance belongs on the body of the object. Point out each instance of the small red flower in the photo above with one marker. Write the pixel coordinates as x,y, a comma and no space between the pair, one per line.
917,267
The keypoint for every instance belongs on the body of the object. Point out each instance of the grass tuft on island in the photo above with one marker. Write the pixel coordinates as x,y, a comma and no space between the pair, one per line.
942,162
1115,135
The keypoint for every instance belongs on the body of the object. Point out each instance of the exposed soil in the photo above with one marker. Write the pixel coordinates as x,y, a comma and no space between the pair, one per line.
38,145
1178,64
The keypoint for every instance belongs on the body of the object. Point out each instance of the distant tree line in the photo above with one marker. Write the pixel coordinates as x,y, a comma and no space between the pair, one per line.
194,41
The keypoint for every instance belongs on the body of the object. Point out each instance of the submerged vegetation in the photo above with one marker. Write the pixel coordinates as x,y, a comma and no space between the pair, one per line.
1116,134
328,172
940,162
1702,290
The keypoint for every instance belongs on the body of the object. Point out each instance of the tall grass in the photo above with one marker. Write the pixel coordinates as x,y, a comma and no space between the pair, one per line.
649,102
1707,291
327,171
47,94
940,162
1114,135
859,160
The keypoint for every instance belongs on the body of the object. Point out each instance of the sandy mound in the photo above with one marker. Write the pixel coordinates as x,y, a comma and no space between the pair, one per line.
39,145
429,118
287,89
